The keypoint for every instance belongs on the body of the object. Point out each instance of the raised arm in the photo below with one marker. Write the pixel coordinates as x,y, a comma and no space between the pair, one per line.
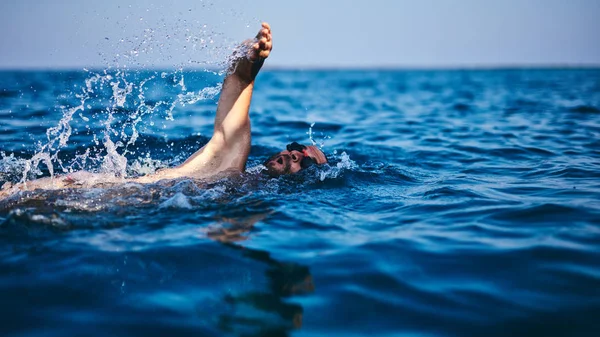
236,94
229,146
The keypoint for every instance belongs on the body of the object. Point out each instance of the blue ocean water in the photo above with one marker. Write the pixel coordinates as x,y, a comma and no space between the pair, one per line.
456,203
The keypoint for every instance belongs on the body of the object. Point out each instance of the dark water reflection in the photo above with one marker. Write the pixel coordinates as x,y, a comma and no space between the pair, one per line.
217,287
284,279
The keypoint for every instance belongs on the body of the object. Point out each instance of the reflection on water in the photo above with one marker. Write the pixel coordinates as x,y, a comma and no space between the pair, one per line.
285,279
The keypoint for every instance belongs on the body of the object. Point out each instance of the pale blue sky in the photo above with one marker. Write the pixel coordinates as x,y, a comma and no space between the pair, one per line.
307,33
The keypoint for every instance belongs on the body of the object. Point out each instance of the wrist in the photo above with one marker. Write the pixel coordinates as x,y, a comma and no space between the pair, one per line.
246,70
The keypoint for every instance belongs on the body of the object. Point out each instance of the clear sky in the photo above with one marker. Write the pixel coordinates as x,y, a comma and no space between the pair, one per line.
307,33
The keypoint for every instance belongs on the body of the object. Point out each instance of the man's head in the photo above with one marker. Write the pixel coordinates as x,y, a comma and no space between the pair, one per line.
293,159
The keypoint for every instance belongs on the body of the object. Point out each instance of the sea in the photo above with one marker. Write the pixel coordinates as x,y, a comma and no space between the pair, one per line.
455,203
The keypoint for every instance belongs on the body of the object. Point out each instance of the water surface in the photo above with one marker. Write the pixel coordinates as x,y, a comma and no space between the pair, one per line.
456,203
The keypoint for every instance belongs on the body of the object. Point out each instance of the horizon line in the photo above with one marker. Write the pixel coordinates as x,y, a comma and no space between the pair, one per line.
451,67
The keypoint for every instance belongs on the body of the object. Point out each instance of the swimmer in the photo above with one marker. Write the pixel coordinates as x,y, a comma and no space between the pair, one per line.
227,151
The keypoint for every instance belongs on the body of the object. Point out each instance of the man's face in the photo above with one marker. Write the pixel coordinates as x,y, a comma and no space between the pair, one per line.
285,162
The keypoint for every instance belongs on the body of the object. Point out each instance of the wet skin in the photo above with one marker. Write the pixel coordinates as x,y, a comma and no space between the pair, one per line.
285,162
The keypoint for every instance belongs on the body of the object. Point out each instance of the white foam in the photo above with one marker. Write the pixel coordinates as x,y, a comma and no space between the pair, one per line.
333,172
179,200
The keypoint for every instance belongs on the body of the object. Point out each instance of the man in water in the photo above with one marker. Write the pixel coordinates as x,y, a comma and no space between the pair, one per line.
228,149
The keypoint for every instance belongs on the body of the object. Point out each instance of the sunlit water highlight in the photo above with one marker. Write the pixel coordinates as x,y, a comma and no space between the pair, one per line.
456,203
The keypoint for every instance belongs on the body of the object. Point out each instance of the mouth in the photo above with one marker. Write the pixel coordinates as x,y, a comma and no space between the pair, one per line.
277,165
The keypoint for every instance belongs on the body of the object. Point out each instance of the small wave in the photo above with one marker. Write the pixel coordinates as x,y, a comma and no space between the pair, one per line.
563,172
5,93
575,172
545,213
380,172
539,151
446,191
358,84
20,218
585,109
461,107
36,113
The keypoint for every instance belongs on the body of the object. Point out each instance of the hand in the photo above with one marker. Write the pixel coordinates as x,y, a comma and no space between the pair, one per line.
263,44
247,64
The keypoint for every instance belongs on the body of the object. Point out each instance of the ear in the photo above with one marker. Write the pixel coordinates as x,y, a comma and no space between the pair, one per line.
295,158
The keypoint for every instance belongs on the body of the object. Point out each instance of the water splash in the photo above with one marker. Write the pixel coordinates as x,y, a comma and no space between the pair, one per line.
310,134
10,166
311,137
179,39
333,172
113,105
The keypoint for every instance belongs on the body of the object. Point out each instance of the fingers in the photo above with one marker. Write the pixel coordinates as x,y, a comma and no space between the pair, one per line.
263,43
265,40
265,32
266,29
264,54
269,37
264,47
262,33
